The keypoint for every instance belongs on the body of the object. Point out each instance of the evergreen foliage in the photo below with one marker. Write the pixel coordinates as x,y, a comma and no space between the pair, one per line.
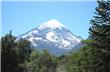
100,33
82,60
9,61
40,62
13,53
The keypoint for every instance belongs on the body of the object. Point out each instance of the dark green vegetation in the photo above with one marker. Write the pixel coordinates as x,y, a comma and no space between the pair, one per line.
18,56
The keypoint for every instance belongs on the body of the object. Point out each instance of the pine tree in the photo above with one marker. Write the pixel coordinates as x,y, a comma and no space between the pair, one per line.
24,49
9,62
13,53
40,62
100,33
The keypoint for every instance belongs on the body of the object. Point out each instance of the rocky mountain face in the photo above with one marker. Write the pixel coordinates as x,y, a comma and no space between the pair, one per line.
54,36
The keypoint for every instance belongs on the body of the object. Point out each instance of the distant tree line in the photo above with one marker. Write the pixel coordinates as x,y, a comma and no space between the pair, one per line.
18,56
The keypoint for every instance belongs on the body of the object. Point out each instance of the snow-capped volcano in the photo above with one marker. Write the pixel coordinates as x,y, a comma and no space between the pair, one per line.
52,35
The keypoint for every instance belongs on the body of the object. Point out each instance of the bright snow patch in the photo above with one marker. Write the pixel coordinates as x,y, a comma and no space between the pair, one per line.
76,39
30,33
51,24
35,31
51,36
65,43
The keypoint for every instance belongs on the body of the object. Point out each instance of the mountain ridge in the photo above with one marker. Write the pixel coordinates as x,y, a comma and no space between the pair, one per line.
52,35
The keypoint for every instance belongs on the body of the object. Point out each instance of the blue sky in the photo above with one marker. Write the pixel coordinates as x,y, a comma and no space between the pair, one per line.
23,16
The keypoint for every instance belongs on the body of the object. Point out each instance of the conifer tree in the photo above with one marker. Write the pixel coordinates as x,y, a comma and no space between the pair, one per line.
9,62
24,49
13,53
100,33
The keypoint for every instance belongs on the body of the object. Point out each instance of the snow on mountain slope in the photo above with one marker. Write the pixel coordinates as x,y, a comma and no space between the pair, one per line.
52,24
52,35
